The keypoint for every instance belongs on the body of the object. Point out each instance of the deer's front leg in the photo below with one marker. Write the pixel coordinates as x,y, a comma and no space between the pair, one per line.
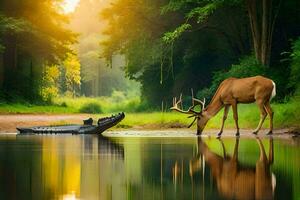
226,109
235,116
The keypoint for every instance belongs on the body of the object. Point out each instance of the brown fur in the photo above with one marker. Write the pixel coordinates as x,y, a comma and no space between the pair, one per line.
233,91
233,180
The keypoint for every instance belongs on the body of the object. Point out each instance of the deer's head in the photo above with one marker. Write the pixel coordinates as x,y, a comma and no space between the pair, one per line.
200,116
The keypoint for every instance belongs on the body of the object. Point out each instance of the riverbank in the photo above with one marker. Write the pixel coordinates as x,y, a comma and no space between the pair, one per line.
286,116
132,121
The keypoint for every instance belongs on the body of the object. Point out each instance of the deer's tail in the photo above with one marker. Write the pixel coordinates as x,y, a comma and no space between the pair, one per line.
273,91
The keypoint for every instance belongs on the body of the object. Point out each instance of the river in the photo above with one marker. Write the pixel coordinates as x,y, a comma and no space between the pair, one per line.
95,167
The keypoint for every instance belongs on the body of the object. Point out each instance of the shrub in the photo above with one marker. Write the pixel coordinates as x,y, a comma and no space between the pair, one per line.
118,96
49,88
92,107
64,104
295,67
247,67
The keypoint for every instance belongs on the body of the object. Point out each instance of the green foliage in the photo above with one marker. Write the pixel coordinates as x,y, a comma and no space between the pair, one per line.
201,13
118,96
93,107
72,73
247,67
2,48
200,10
49,87
31,35
166,62
295,66
98,77
170,37
107,104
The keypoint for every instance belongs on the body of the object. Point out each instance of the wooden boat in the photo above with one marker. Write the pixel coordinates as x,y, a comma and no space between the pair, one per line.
87,128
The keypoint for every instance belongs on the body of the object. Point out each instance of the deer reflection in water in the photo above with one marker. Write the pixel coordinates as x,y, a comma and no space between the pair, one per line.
235,181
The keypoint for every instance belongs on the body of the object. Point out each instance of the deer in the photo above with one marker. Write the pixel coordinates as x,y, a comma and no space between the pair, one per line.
230,93
233,179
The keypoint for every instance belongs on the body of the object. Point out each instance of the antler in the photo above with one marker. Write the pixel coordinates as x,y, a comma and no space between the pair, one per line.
197,101
176,107
191,110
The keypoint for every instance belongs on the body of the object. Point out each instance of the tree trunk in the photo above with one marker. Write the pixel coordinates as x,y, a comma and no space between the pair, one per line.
262,21
10,54
99,88
1,71
256,37
266,31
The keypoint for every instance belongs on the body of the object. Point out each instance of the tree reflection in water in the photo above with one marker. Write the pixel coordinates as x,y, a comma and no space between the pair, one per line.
92,167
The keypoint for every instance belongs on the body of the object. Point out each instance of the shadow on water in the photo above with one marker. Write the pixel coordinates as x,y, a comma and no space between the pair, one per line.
93,167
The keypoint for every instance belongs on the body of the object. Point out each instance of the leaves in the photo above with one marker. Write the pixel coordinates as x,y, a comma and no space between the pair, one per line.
201,13
170,37
175,5
72,72
295,66
49,88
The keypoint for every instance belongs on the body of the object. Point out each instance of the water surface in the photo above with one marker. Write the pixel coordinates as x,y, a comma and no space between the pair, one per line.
93,167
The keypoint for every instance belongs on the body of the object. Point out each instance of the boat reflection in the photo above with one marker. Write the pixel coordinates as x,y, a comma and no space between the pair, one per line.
233,179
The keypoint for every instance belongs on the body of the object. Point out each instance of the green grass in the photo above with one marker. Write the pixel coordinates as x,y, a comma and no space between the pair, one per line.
107,104
75,105
33,109
286,115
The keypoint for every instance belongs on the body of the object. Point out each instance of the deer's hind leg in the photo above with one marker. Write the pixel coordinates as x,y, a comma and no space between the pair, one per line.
263,115
270,113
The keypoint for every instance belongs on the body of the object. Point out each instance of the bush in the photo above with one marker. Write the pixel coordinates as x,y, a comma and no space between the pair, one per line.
64,104
93,107
295,67
247,67
118,96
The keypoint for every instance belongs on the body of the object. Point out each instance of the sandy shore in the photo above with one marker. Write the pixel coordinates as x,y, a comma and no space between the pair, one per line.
244,133
8,123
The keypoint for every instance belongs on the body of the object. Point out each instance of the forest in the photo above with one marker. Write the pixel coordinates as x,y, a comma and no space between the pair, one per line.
197,44
70,69
143,52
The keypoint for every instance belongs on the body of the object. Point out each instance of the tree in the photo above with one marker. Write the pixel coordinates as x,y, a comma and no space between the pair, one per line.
171,46
262,15
72,73
295,67
165,64
98,79
32,34
50,88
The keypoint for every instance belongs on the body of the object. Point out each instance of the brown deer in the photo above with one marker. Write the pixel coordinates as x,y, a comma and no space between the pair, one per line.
233,180
229,93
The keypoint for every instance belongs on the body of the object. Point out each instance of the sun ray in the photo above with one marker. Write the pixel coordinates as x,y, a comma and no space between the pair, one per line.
69,5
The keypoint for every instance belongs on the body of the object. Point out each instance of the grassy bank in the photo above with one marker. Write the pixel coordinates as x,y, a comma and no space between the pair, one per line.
65,105
286,115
